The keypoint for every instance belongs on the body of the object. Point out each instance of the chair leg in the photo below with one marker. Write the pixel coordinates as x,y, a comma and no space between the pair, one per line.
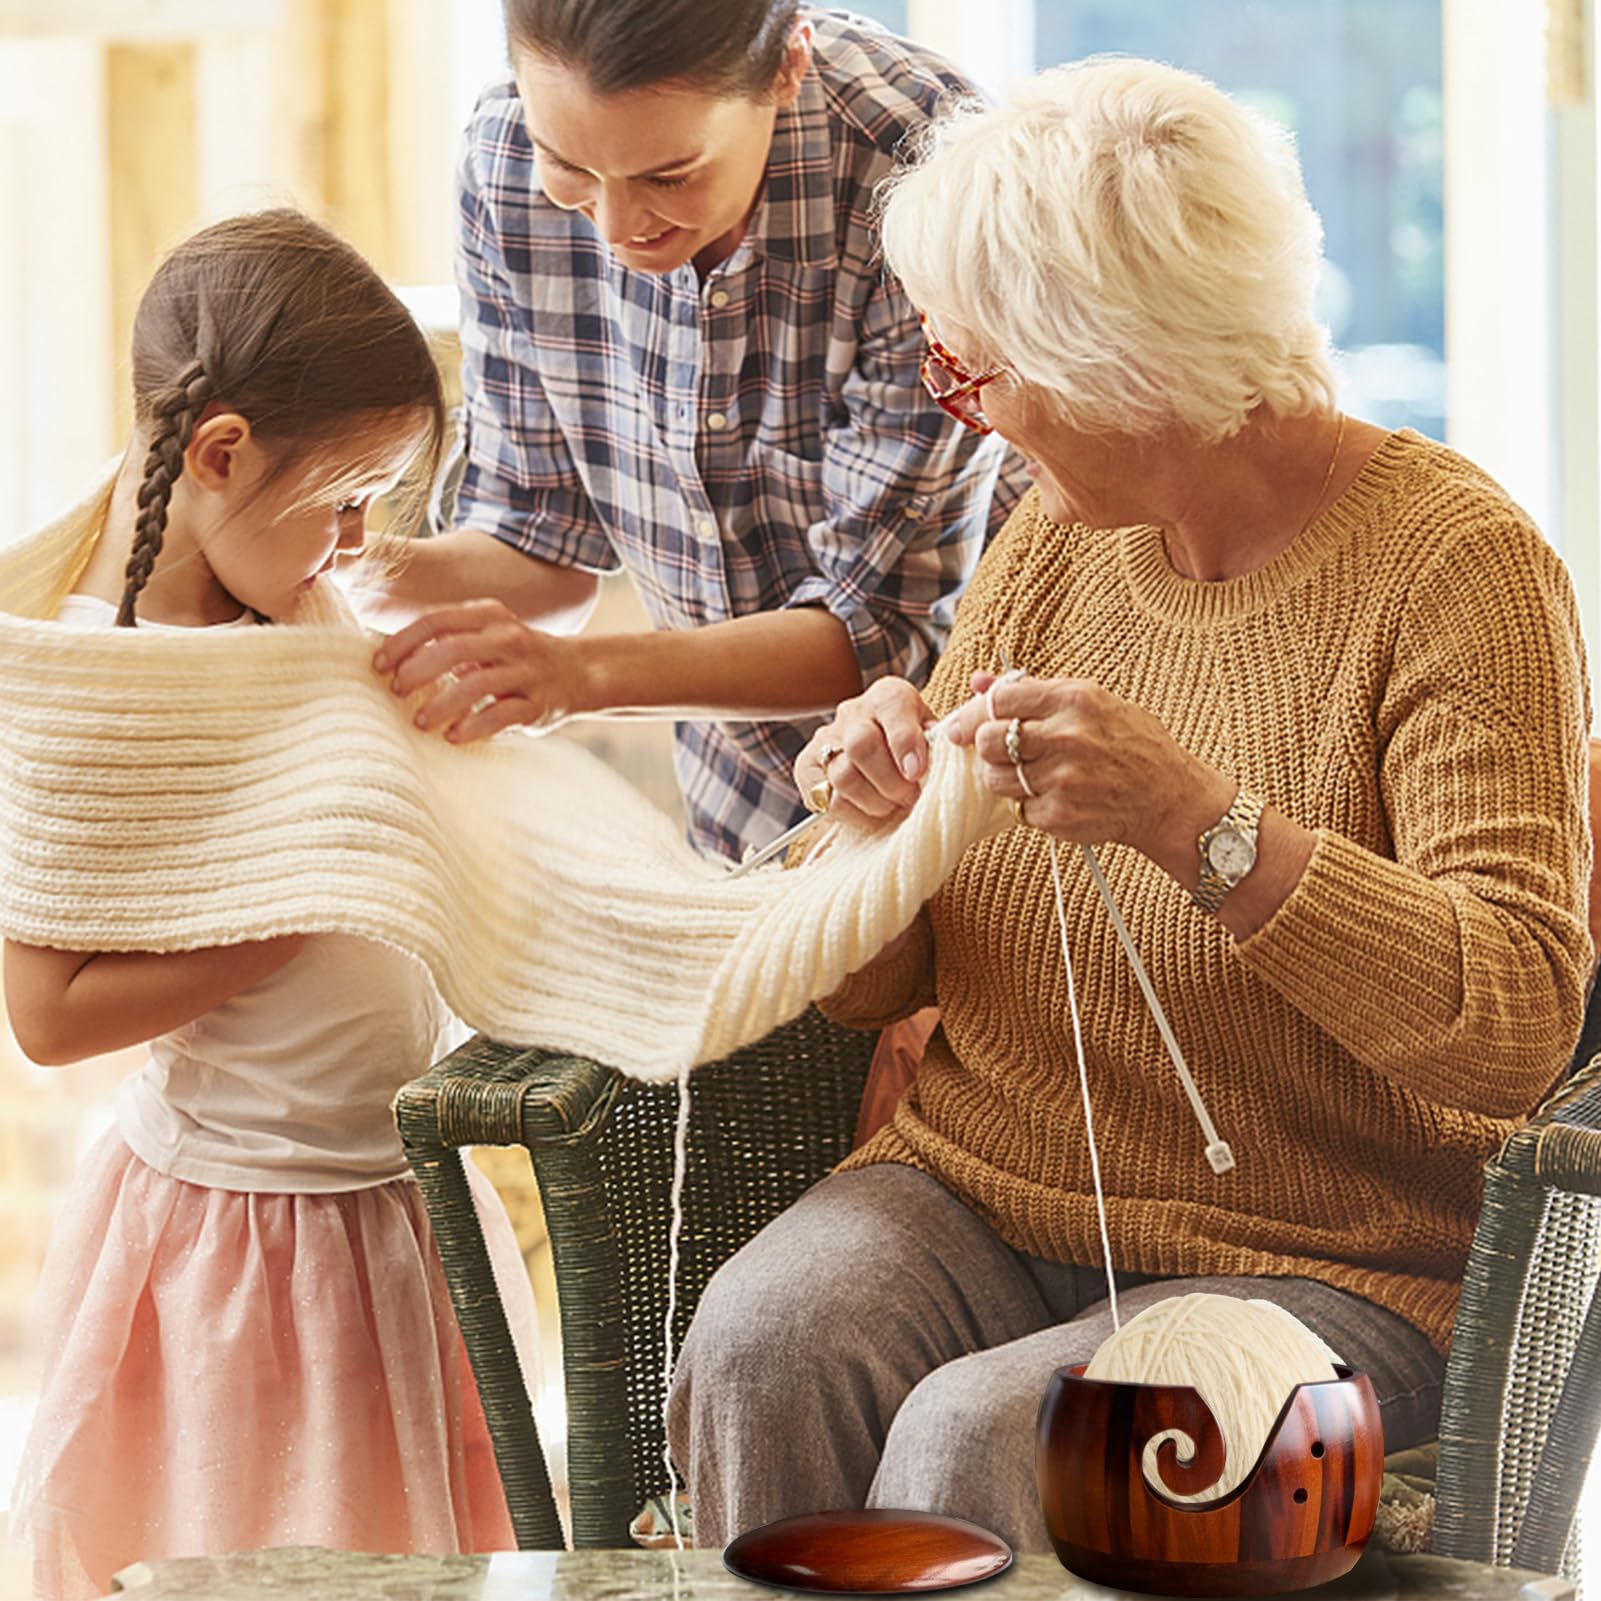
490,1348
589,1292
1559,1478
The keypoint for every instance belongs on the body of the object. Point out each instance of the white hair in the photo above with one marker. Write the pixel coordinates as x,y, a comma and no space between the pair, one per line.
1127,238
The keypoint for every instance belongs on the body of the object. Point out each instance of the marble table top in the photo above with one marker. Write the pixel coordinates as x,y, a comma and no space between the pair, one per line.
311,1574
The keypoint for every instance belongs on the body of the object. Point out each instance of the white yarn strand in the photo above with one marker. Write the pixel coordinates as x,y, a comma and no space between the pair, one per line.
1084,1088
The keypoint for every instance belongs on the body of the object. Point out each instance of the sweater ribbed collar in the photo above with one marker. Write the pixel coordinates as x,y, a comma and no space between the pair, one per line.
1161,592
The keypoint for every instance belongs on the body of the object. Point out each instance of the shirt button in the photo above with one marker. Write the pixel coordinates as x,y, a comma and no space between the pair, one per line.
719,298
716,420
706,527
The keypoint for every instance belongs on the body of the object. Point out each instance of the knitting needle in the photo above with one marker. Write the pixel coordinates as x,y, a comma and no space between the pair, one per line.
1218,1153
790,835
774,847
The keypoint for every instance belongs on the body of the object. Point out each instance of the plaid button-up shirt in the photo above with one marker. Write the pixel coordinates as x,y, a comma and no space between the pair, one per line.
756,441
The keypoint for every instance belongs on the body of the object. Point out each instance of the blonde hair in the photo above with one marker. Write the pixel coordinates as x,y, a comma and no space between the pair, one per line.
1127,238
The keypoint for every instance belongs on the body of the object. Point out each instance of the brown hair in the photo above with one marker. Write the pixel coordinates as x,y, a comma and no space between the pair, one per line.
283,322
729,47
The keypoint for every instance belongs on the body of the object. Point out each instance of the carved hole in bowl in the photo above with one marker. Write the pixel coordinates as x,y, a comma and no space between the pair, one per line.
1317,1448
1300,1495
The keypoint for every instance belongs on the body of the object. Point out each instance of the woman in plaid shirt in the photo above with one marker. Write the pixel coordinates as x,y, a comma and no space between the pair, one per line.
681,357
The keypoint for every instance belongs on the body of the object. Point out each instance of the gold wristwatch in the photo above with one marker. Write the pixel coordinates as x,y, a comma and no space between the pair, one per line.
1228,851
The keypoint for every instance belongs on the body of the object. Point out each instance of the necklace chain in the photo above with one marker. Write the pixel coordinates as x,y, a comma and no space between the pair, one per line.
1328,477
1317,505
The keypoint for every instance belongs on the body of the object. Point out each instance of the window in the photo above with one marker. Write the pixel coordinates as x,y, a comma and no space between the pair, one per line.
888,13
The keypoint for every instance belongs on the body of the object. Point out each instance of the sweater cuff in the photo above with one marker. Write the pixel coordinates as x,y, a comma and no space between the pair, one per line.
1376,958
1354,935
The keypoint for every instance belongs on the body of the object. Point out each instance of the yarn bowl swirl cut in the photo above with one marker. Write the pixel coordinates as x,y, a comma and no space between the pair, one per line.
1300,1517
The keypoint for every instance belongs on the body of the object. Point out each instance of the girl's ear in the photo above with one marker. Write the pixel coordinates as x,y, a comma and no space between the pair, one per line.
213,459
797,59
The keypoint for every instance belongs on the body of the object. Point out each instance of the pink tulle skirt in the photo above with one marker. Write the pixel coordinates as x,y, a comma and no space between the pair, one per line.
227,1370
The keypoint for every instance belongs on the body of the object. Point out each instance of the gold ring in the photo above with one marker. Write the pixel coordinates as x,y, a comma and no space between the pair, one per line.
821,795
1017,812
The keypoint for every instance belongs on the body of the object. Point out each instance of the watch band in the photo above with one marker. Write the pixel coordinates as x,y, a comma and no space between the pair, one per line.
1241,818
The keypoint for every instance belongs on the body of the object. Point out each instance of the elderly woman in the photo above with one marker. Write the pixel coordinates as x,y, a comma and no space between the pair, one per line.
1320,691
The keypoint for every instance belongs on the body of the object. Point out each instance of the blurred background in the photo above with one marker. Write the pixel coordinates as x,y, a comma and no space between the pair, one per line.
1449,146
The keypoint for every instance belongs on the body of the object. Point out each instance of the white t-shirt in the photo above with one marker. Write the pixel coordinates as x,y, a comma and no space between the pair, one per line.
287,1086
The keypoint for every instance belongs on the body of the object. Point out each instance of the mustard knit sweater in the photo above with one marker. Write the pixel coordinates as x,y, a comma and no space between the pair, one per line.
1407,680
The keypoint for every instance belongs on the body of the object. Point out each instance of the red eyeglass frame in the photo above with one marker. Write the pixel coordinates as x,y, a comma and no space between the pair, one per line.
961,401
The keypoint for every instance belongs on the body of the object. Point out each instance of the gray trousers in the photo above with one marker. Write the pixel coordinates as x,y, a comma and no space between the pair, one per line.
878,1345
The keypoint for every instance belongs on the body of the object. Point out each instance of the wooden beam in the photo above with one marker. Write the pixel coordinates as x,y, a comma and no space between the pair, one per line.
301,102
150,128
424,140
356,65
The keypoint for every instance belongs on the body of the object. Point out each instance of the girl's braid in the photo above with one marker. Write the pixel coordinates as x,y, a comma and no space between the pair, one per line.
174,413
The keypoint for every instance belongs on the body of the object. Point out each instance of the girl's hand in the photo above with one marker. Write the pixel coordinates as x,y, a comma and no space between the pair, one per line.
1100,767
484,670
872,756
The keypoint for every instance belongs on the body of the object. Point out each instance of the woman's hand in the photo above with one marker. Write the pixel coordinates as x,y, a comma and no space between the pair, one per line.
485,670
873,755
1100,767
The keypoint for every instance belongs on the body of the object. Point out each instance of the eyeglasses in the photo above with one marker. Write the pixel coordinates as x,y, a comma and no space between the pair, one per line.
955,390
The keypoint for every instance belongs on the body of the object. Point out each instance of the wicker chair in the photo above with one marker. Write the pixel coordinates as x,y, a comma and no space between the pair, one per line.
1522,1401
1523,1387
764,1126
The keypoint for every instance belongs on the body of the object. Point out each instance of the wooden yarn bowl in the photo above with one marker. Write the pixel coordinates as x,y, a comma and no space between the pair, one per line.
1301,1517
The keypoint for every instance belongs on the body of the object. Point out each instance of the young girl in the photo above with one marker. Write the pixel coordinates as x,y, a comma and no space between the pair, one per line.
248,1337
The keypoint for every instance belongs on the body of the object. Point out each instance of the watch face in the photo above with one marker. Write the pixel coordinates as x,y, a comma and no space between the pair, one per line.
1231,854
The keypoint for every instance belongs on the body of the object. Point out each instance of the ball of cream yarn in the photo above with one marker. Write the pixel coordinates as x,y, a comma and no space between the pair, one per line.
1241,1357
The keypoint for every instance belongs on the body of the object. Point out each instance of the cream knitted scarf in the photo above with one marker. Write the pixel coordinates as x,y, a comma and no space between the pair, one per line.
166,791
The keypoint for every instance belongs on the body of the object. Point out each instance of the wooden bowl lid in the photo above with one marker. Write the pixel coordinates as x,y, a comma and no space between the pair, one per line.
877,1552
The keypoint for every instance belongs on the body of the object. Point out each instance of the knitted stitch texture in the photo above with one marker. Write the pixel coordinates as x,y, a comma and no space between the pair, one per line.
1407,680
168,791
